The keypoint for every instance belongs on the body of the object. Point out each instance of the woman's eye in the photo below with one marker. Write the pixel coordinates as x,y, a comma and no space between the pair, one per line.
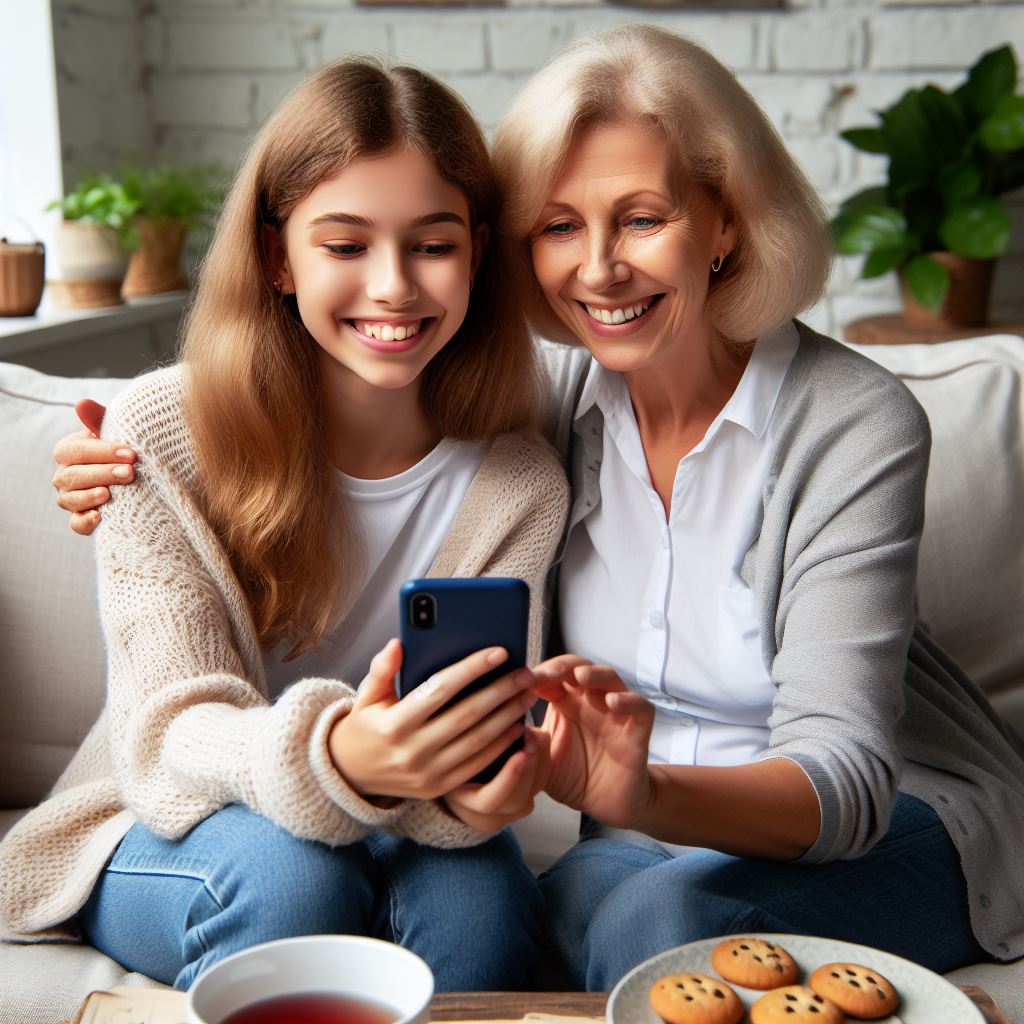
436,248
344,248
643,223
560,228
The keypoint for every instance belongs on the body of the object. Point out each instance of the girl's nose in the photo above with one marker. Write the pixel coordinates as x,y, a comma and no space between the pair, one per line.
390,282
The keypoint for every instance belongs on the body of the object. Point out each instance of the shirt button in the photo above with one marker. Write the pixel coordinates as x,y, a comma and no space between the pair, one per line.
684,720
657,620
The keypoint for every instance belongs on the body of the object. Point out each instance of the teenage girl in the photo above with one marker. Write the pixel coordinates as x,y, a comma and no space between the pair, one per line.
353,407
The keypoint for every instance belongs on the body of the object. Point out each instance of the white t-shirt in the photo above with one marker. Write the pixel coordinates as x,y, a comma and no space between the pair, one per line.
665,604
403,521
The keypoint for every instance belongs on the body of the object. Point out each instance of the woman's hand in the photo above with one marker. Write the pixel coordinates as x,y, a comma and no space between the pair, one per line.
390,748
509,795
598,732
88,467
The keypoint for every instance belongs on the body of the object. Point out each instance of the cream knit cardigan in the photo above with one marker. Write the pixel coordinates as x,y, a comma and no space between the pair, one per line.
187,727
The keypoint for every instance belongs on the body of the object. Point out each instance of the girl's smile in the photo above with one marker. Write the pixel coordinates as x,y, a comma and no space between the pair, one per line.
379,258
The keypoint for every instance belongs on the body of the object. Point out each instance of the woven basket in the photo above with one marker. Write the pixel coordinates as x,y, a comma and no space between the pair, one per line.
21,277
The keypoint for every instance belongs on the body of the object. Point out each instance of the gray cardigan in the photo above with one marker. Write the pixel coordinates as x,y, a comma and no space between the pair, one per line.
865,701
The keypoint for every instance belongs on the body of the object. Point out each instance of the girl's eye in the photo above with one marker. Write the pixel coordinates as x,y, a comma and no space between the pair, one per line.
436,248
344,248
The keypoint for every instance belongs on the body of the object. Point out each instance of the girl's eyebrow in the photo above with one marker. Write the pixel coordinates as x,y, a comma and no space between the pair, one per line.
441,217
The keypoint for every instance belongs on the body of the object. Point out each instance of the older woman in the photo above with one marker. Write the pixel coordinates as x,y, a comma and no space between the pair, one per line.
757,731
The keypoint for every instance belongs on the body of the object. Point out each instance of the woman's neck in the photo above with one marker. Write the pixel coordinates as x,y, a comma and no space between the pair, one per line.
676,398
373,432
681,393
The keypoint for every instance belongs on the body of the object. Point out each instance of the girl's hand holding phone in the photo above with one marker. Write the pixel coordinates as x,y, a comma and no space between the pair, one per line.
598,732
391,748
509,795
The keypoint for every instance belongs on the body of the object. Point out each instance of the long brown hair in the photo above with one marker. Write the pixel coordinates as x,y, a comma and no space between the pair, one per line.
252,379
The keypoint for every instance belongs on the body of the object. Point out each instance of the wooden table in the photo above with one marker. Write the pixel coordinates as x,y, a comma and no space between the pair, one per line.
513,1005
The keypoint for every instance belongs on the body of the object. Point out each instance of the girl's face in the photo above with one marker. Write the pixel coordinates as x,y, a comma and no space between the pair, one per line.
622,257
380,258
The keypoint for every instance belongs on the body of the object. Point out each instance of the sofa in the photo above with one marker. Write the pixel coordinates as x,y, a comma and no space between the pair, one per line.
971,595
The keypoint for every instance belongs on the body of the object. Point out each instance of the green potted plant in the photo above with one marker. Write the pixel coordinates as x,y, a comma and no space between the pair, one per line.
938,220
170,202
92,241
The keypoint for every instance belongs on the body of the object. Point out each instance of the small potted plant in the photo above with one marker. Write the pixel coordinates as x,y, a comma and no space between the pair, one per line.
938,220
171,202
92,242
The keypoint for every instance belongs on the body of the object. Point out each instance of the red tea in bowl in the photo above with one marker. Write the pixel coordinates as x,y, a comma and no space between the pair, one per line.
313,1008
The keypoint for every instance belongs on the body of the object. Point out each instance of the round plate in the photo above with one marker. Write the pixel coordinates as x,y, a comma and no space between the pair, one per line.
926,997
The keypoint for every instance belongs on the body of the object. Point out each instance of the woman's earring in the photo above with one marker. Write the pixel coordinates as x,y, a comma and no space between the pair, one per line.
716,264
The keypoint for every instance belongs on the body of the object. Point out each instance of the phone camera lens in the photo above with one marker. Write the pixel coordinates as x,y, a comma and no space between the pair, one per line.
423,610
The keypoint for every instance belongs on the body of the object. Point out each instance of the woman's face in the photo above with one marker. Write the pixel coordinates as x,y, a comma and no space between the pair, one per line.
380,259
622,256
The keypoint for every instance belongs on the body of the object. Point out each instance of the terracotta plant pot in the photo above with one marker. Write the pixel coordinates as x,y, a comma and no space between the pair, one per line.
92,265
967,300
21,277
155,266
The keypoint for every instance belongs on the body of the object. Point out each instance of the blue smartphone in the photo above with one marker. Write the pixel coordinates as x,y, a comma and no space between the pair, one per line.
443,620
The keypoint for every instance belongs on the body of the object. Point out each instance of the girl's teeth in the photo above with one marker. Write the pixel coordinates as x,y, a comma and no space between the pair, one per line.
388,332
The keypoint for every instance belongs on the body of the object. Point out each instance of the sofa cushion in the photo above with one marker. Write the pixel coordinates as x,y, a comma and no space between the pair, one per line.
971,572
53,661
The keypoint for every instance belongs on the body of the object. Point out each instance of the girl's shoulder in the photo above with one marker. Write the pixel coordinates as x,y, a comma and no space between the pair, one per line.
526,461
149,415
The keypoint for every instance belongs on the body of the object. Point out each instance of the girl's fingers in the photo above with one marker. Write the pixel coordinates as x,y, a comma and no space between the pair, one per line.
379,684
427,699
464,769
467,743
82,448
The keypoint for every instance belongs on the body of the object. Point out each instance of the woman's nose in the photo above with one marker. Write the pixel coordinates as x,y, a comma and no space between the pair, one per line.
390,282
601,266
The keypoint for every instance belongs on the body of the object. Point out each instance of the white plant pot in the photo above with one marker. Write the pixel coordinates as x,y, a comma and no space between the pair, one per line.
91,263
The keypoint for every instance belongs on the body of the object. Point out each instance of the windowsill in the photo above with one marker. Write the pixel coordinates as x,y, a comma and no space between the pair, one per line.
52,326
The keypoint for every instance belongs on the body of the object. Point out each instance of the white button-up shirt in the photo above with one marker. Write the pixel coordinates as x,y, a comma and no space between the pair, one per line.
663,601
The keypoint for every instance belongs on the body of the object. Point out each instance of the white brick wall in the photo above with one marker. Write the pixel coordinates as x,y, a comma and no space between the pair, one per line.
192,79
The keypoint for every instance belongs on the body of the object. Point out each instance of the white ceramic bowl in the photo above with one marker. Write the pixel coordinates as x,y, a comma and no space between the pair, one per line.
345,964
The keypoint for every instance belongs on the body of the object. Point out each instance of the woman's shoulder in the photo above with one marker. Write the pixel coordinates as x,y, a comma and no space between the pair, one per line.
832,387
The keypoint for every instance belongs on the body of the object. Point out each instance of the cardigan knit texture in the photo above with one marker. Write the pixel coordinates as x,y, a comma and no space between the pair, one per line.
187,727
865,702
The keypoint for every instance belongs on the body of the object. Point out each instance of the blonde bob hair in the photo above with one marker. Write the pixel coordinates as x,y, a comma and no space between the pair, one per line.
252,379
718,137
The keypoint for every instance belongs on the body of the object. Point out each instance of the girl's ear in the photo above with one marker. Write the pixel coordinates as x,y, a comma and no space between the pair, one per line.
276,256
481,236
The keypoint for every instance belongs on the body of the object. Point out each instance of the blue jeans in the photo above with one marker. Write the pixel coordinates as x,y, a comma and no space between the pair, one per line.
612,904
172,908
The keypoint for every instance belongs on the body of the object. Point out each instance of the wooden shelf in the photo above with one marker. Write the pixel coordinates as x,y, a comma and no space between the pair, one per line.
893,329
